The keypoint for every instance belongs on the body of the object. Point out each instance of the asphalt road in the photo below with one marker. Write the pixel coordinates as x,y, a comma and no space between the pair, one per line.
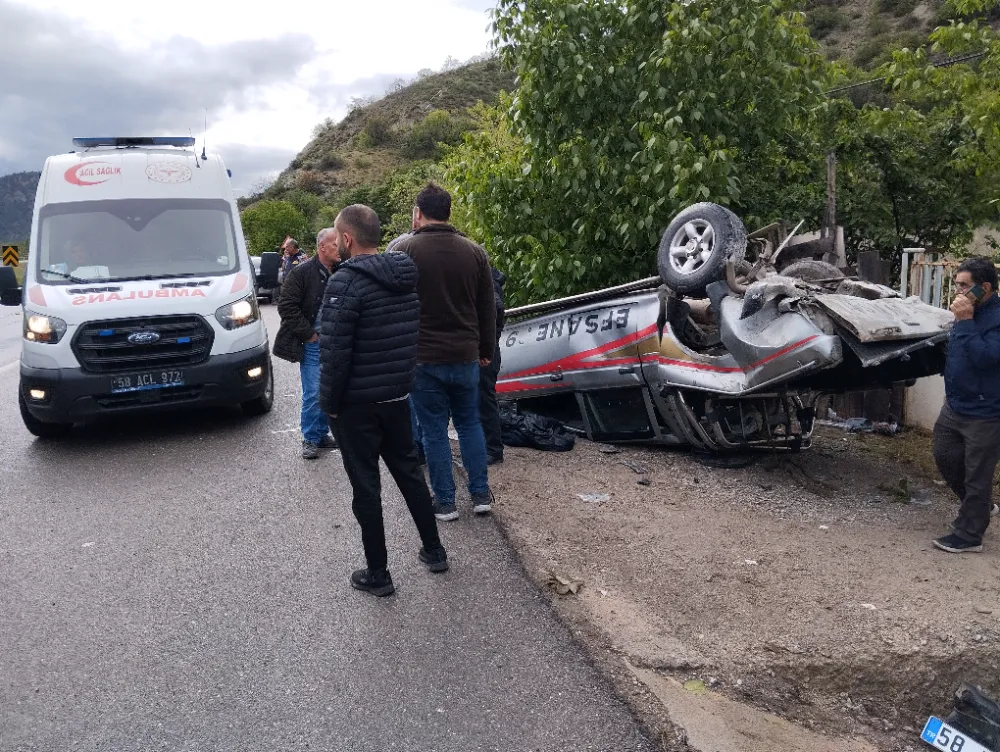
10,334
180,583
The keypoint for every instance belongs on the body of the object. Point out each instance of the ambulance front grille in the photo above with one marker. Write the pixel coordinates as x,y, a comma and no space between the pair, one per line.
104,347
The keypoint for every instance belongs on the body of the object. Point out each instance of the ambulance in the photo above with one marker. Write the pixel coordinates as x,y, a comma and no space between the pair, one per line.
139,294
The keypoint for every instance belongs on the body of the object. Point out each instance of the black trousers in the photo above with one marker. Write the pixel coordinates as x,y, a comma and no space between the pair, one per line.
966,451
489,410
365,433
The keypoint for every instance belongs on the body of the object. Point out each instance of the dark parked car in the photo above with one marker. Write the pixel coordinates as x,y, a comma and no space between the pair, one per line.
265,269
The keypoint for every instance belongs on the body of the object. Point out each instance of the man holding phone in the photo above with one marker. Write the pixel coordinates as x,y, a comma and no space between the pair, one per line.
967,433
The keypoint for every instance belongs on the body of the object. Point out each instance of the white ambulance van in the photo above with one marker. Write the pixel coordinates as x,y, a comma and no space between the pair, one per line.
139,294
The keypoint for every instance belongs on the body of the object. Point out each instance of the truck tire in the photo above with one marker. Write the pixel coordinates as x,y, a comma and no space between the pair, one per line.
697,244
39,428
809,270
263,404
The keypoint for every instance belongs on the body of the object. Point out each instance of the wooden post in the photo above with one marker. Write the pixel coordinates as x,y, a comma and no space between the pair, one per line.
831,196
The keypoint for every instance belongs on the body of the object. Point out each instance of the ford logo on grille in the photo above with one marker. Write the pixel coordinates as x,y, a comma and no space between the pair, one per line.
143,338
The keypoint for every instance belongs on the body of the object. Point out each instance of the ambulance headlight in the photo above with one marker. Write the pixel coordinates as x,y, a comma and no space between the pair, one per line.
238,314
40,328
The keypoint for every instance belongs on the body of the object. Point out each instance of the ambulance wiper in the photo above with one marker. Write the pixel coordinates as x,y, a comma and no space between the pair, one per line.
137,278
70,277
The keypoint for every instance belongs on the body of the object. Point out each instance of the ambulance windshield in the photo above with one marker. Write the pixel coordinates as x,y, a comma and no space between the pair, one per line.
127,239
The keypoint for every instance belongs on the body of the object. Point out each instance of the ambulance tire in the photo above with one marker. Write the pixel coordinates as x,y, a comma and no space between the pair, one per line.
263,404
39,428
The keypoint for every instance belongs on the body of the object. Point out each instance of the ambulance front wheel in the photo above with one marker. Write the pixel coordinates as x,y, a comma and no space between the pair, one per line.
263,404
40,428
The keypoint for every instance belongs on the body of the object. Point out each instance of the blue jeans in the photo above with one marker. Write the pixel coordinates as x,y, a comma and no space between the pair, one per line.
315,424
418,435
440,390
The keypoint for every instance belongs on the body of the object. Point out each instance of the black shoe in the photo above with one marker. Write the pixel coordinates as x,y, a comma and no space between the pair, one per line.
483,504
436,559
445,512
494,459
328,442
309,451
421,457
377,583
955,545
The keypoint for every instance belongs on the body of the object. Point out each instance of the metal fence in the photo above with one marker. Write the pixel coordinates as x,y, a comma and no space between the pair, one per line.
928,275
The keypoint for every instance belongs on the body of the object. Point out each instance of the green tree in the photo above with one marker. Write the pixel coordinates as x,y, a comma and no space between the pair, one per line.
627,111
266,223
307,203
425,139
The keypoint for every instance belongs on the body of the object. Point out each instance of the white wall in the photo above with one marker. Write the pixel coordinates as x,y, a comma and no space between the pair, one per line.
923,402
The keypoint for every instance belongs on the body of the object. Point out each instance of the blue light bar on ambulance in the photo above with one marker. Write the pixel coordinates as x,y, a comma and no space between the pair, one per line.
87,143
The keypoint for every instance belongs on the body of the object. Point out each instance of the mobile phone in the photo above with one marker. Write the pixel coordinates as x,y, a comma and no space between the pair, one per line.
976,292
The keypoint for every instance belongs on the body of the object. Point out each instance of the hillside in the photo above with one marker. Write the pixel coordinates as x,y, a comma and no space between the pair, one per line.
383,135
864,32
381,138
17,198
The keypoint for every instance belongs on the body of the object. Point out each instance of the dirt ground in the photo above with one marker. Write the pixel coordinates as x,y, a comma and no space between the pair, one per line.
804,585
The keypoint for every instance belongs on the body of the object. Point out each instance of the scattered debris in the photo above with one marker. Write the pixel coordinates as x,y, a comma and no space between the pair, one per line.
751,562
984,610
526,429
636,467
594,498
694,685
898,491
563,585
89,544
824,527
869,606
608,449
643,481
863,425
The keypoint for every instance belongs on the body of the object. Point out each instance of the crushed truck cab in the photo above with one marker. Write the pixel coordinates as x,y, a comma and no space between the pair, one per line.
139,294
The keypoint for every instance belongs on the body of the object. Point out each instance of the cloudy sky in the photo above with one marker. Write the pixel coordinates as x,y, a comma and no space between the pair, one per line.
266,72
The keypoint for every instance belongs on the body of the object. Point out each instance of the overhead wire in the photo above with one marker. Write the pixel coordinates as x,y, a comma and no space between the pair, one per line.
941,64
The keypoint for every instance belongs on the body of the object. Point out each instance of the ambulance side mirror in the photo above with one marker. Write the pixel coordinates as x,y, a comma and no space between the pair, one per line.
10,291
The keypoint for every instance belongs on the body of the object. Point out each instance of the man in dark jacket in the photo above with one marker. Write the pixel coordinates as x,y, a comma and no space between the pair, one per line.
489,409
369,332
457,337
967,433
298,337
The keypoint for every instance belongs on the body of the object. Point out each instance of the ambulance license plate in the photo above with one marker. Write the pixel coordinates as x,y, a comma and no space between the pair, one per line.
940,735
141,382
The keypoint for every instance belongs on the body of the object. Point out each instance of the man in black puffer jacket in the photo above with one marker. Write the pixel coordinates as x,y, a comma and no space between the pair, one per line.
368,354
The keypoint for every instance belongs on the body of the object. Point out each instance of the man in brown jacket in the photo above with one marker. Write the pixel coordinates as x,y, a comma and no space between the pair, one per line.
457,320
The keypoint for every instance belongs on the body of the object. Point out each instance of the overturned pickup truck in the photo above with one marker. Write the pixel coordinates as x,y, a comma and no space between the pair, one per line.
728,348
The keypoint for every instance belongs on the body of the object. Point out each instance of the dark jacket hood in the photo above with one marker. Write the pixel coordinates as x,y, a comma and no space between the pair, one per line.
392,270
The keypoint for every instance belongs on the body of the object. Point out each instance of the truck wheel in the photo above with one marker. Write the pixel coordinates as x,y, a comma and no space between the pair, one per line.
263,404
810,270
696,245
39,428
